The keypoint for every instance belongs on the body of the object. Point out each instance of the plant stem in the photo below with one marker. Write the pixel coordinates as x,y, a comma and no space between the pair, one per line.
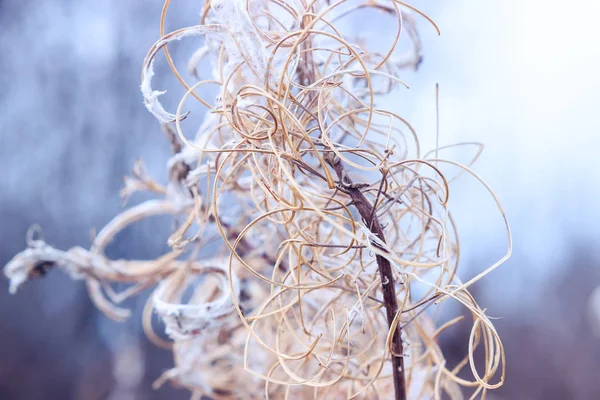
366,211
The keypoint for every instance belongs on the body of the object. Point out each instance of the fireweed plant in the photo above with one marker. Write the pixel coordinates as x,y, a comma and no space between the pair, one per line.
314,235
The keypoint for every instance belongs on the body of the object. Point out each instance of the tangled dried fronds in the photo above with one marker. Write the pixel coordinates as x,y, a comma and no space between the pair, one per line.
335,230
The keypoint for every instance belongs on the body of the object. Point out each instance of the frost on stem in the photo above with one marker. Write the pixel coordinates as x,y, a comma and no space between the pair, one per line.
313,233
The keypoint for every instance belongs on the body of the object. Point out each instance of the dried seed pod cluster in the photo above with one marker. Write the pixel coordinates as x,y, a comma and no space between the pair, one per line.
334,234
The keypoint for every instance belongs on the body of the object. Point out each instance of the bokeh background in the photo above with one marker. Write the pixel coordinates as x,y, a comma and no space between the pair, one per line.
520,76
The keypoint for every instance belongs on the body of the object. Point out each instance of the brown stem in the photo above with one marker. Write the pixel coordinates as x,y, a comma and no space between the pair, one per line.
388,288
367,212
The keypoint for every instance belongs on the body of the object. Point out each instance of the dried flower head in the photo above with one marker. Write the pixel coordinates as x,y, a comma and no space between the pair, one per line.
315,233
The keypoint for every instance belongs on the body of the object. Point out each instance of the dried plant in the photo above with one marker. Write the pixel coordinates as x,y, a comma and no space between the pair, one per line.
334,234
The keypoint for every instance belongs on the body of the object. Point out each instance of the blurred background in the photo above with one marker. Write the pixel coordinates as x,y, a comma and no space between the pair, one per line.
520,77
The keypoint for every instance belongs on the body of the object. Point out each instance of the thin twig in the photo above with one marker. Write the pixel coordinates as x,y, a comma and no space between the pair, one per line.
365,209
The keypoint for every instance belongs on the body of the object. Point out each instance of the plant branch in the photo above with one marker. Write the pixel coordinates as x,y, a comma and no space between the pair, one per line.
366,211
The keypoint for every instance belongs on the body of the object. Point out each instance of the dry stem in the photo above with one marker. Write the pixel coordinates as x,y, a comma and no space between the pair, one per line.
388,288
